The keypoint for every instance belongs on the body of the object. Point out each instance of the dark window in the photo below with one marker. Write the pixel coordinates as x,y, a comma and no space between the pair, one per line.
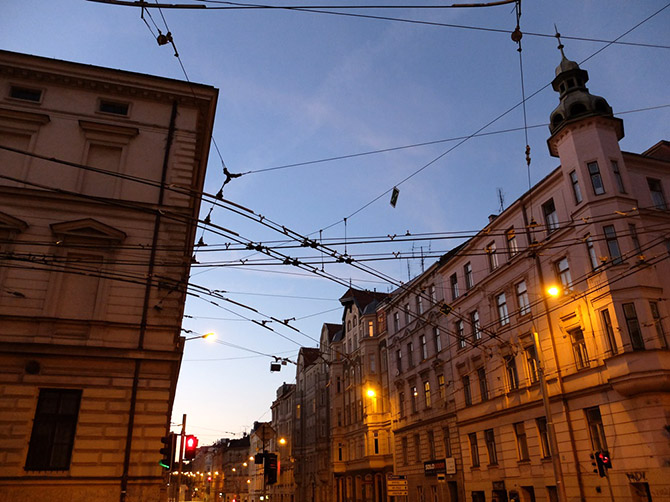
596,179
657,196
398,360
410,355
550,216
446,440
460,334
593,258
512,374
609,331
476,328
417,448
114,107
54,430
483,385
544,436
25,93
521,441
403,443
522,298
469,280
467,393
596,429
431,444
531,363
579,348
474,449
401,403
633,325
493,257
612,244
633,236
438,340
576,190
503,315
563,273
490,439
658,323
617,177
424,347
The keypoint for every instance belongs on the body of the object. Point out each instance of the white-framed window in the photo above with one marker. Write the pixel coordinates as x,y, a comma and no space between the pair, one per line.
596,178
563,273
501,304
511,372
522,298
438,340
656,190
469,278
612,244
593,257
550,216
579,348
424,348
492,256
453,281
476,328
576,190
460,334
512,244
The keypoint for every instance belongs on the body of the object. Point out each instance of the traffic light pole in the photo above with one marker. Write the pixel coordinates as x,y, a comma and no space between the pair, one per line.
181,455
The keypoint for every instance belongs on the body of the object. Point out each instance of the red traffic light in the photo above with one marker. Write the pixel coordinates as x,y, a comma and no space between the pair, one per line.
190,447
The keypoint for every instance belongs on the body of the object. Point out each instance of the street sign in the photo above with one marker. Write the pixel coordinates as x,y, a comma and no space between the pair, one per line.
450,463
396,485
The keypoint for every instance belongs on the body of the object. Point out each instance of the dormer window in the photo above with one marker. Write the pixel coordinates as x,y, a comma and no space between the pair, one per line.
25,93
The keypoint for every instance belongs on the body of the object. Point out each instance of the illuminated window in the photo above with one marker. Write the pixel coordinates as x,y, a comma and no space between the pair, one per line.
426,393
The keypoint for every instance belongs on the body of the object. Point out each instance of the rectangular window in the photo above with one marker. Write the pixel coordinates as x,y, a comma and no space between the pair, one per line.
474,449
576,190
419,304
512,245
633,237
460,334
54,429
376,442
521,441
532,364
438,340
414,395
596,179
493,257
441,388
401,404
633,325
403,442
371,328
579,348
596,429
476,328
25,94
424,347
417,448
617,177
469,279
511,372
545,449
372,363
608,330
503,315
453,281
410,355
433,294
483,386
550,216
490,439
426,393
398,360
396,322
113,107
656,190
658,323
431,444
612,244
407,314
522,298
563,273
593,258
446,442
467,393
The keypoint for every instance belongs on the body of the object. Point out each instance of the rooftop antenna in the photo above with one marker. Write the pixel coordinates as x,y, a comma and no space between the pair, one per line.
501,199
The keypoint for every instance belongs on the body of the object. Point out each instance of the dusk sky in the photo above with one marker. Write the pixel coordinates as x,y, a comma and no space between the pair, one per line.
325,113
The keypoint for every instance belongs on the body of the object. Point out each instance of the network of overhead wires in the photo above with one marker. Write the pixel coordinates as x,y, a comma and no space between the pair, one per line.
346,261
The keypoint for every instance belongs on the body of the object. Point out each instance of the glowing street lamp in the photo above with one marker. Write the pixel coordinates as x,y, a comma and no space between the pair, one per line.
282,441
553,291
371,393
211,336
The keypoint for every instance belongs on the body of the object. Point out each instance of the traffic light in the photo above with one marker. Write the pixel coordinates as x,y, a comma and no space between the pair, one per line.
169,442
605,459
190,447
270,468
258,458
601,461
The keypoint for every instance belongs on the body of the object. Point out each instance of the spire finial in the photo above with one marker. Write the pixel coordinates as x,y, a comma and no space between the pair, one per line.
558,37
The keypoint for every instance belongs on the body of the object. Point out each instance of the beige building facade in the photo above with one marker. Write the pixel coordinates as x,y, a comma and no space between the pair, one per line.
597,229
99,196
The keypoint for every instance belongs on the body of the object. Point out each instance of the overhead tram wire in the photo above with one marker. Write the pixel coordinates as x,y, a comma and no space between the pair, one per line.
467,138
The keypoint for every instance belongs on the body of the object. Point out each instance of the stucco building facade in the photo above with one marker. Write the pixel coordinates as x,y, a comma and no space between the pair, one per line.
99,196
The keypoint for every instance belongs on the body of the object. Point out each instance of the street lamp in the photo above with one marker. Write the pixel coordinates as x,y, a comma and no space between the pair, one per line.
211,336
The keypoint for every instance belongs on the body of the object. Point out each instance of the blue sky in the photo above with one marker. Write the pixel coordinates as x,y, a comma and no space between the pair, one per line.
298,87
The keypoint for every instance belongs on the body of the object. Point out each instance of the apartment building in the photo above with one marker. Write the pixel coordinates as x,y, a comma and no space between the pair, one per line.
232,468
99,197
282,444
360,436
537,384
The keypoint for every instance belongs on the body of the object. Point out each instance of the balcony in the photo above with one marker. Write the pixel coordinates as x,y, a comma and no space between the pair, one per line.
632,373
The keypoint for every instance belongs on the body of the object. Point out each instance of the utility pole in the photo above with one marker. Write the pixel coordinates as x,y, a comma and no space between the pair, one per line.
181,455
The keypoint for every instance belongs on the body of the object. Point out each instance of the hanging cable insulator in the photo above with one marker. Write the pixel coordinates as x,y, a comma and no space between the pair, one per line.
528,155
517,35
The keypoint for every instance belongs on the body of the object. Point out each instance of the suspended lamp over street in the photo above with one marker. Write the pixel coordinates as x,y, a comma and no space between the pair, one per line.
211,336
553,291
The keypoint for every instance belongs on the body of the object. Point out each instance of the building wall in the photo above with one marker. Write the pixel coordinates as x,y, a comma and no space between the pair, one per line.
76,309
